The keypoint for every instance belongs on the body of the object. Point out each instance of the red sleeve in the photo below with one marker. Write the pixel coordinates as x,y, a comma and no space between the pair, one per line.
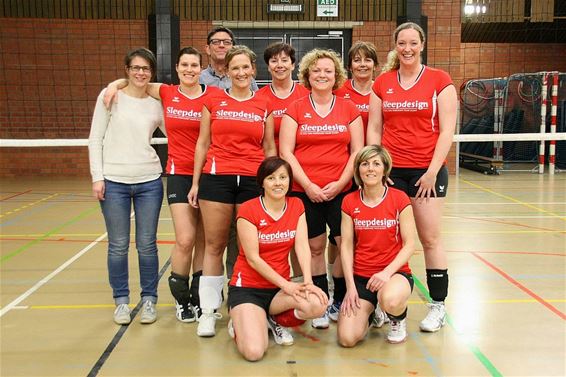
444,80
354,113
293,110
347,203
247,212
402,198
376,88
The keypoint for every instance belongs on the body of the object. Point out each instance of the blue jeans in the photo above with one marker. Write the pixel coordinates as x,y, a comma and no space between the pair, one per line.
147,198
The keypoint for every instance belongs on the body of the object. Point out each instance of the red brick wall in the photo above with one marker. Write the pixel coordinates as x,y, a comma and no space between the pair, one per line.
52,70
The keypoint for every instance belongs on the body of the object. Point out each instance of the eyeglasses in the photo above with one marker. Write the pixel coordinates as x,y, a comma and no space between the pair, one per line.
138,68
218,42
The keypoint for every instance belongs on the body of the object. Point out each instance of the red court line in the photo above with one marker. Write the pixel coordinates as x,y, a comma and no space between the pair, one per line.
13,196
507,223
509,252
522,287
78,240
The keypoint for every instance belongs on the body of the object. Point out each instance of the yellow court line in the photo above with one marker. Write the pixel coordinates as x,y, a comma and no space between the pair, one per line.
513,199
410,302
27,205
473,231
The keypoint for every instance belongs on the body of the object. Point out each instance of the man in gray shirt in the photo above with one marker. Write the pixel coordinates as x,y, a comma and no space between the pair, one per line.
219,41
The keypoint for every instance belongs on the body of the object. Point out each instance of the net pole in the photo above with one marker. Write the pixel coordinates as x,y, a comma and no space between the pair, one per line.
498,117
553,111
541,151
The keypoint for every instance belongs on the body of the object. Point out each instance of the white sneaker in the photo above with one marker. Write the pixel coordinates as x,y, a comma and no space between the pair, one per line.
380,318
281,335
207,323
122,314
322,322
436,317
185,312
397,331
231,329
333,311
148,313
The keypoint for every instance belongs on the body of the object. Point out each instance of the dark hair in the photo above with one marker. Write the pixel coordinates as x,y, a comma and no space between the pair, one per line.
361,48
268,167
219,29
189,51
143,53
277,48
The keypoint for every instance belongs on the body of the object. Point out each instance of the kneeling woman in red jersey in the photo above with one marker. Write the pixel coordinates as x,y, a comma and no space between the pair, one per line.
378,238
261,296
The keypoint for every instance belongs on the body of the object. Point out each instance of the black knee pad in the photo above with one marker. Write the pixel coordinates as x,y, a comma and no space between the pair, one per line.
399,317
339,289
179,286
437,281
195,301
322,282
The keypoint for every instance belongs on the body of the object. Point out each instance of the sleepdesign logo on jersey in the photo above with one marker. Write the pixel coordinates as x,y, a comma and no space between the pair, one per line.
405,105
307,129
279,236
183,114
375,223
239,115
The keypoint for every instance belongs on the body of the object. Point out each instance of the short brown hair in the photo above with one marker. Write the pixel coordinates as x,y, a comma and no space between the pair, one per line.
240,50
268,167
366,49
368,152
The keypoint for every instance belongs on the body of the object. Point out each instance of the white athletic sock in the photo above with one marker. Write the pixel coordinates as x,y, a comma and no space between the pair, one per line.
210,292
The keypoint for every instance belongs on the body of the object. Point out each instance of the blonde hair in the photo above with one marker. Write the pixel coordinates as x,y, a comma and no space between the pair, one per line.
368,152
310,59
240,50
392,57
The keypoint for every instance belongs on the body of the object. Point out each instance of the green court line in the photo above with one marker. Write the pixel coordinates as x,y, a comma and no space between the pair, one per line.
48,234
473,348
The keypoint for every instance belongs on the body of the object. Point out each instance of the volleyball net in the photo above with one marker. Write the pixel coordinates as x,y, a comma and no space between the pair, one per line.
518,123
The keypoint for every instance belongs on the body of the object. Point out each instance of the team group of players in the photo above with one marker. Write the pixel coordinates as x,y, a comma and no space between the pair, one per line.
281,158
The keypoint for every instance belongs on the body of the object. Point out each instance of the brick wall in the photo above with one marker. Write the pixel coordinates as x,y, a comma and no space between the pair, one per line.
52,71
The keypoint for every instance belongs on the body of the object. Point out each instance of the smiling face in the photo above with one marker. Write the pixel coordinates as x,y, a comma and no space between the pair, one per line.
276,185
241,71
409,47
280,66
371,171
139,72
362,67
322,75
188,69
219,45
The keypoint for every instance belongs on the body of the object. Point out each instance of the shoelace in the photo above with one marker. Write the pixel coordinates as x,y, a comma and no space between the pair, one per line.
395,325
213,315
148,306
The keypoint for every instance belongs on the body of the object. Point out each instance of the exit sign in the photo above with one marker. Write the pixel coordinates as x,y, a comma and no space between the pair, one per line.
327,8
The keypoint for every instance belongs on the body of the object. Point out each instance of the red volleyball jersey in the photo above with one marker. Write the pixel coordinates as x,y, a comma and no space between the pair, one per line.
182,120
376,230
361,101
276,239
236,134
410,116
277,106
322,144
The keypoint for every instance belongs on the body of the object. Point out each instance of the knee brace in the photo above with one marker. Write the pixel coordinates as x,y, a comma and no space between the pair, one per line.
195,283
321,282
437,281
339,289
210,292
179,286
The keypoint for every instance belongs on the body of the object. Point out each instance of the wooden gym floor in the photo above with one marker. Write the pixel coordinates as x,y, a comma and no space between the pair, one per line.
506,242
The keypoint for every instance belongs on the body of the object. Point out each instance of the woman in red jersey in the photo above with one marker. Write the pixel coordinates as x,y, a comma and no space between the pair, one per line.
320,135
413,115
363,63
378,238
280,60
260,293
235,136
182,106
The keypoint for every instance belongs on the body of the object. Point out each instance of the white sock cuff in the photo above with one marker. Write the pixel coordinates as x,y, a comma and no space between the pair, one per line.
210,292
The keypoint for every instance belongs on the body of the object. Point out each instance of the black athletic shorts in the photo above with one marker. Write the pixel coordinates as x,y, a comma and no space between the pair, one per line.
320,214
366,294
261,297
405,179
178,187
231,189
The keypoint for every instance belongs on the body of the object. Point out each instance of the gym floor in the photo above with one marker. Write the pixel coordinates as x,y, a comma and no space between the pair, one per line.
505,237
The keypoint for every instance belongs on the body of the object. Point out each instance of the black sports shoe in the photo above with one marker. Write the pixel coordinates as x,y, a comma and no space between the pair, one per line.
185,312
